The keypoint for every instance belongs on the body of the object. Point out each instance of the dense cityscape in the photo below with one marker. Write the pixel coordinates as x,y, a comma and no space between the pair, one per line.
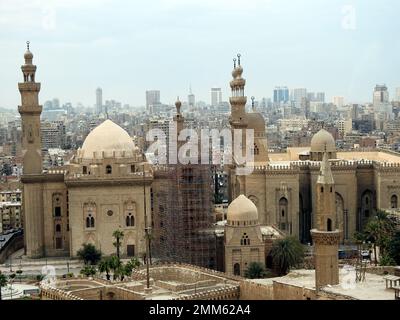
290,195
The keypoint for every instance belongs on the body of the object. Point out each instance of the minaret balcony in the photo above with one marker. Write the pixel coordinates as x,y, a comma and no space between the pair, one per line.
238,101
29,86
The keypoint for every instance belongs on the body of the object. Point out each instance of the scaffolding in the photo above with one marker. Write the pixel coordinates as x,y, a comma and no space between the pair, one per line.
183,217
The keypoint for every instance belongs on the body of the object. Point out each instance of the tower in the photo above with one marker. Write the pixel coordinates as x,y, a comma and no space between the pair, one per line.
99,100
30,111
238,99
325,238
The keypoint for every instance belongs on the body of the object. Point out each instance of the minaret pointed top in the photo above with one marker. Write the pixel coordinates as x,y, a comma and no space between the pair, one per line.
27,45
178,105
239,55
252,104
325,175
28,55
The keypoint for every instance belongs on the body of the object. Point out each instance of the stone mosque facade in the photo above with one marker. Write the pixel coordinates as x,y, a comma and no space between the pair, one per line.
107,186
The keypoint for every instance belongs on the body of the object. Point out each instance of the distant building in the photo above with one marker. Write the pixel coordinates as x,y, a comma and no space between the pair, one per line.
298,95
99,100
338,101
397,97
216,96
320,96
53,134
191,99
281,95
381,95
10,216
152,99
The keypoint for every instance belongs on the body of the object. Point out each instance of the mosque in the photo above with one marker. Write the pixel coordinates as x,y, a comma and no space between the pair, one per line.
107,185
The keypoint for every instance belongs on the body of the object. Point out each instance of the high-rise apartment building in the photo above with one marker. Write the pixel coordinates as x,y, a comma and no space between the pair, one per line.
152,99
381,95
281,95
338,101
216,96
297,95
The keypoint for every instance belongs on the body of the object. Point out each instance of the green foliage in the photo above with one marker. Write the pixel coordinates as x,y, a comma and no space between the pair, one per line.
89,254
39,277
287,253
387,260
394,248
132,264
12,276
255,270
118,235
88,271
3,280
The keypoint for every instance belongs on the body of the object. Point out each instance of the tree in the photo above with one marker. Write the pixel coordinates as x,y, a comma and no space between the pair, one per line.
104,266
89,254
287,253
130,265
3,282
118,235
394,248
116,266
255,270
379,230
88,270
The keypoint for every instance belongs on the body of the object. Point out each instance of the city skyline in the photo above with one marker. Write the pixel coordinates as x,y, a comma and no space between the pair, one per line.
333,47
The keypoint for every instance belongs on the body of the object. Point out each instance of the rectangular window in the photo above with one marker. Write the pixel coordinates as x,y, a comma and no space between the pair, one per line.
130,250
84,170
57,211
58,243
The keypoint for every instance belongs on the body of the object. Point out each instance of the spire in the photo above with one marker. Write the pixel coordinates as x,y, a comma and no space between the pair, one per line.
178,105
325,175
239,55
252,104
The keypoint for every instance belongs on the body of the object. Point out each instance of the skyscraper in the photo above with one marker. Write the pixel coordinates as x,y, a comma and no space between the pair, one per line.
381,95
99,100
281,95
216,96
338,101
152,99
297,95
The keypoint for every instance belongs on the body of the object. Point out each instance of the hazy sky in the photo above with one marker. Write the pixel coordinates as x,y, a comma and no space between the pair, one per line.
126,47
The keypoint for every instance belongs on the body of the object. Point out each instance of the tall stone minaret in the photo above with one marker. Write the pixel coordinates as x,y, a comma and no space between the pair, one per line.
30,111
238,100
326,240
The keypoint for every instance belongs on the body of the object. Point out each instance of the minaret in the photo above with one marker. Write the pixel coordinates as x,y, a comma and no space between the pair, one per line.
32,177
238,99
30,111
326,240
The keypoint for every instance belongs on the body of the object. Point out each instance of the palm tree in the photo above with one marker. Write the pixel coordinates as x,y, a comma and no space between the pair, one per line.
287,253
379,230
104,266
88,270
118,235
130,265
255,271
115,266
3,282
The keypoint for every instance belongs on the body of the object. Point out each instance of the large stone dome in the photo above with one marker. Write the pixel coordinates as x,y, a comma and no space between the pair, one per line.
256,121
323,141
107,139
242,209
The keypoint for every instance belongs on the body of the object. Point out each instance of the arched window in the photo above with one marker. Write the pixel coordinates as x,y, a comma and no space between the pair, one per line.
256,150
329,225
58,228
245,241
283,207
108,169
322,189
84,170
393,202
236,269
130,220
92,222
87,222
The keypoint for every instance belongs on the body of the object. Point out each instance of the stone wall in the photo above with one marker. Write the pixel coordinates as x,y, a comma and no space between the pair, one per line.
255,291
16,243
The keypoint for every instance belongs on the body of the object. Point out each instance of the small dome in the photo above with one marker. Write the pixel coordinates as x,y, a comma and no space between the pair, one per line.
323,141
28,55
256,122
242,209
108,137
